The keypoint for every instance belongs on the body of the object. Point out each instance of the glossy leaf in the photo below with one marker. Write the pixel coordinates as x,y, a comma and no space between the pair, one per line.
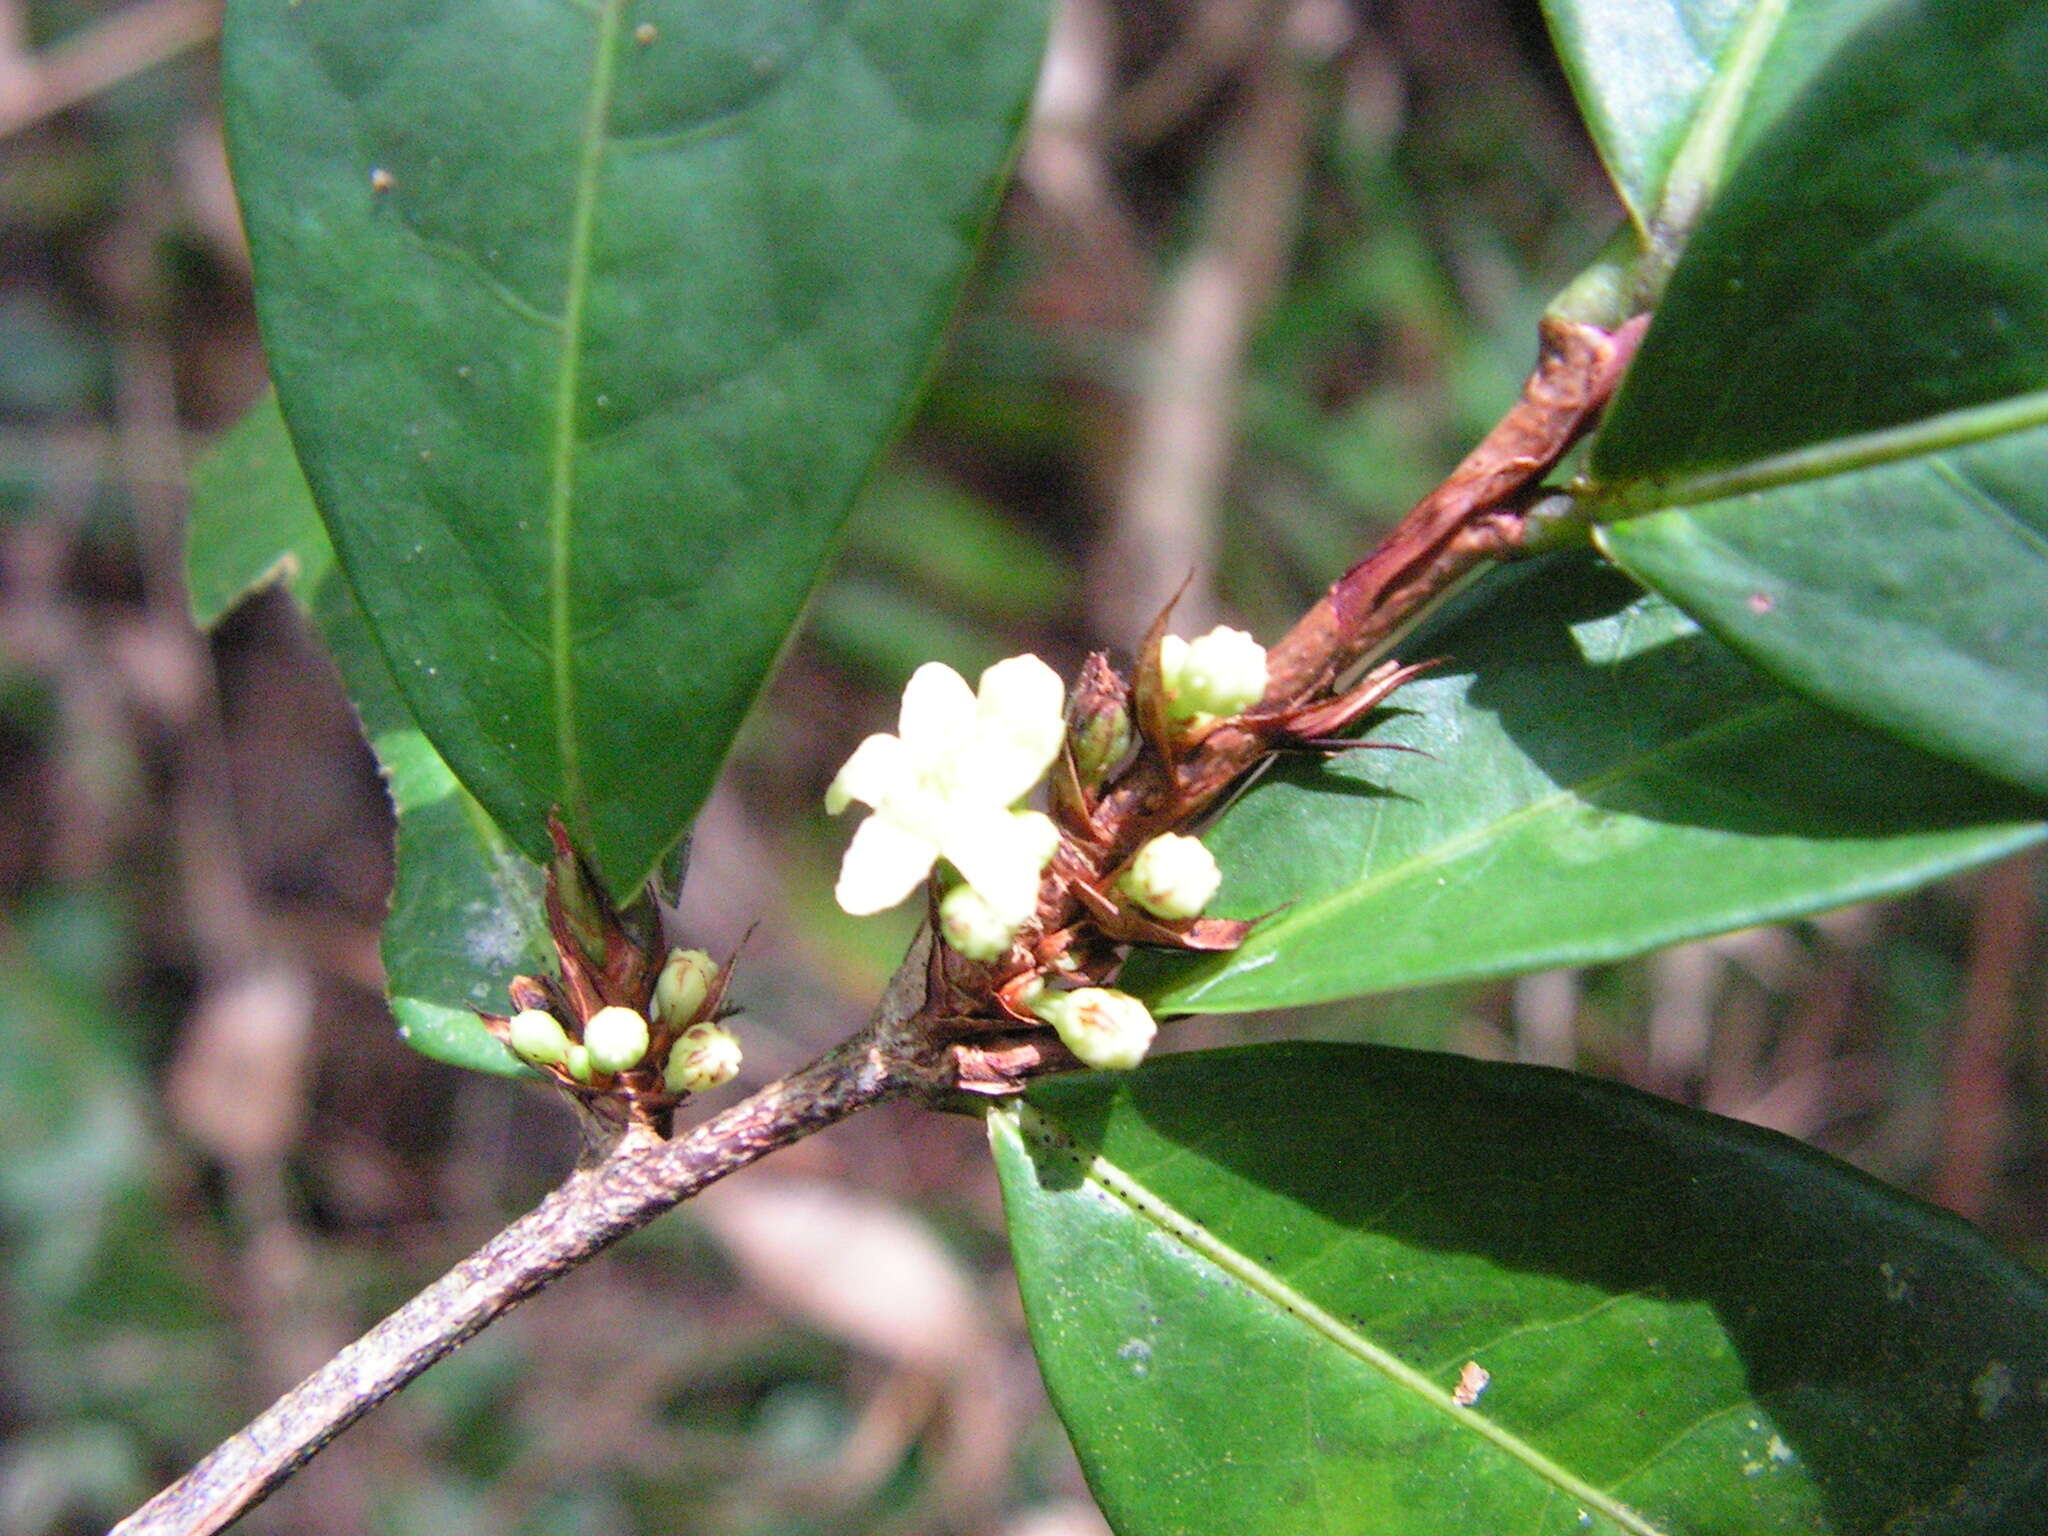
466,911
1600,778
588,321
1672,90
1837,420
1912,594
1255,1278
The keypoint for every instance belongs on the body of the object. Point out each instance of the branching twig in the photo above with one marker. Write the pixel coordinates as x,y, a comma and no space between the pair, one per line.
593,1209
930,1037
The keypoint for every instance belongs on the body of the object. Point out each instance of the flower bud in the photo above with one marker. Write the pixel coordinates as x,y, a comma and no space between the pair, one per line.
537,1036
1098,720
1221,673
684,983
973,927
704,1056
577,1063
616,1039
1173,877
1107,1029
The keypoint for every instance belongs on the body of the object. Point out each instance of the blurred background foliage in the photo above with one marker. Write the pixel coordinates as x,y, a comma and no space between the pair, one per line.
1268,268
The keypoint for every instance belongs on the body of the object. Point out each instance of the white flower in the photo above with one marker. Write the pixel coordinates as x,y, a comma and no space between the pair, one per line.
944,787
1173,877
1105,1028
1220,673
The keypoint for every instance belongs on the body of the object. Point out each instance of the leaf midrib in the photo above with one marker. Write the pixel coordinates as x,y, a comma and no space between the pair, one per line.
1040,1127
1308,915
1696,169
568,377
1928,435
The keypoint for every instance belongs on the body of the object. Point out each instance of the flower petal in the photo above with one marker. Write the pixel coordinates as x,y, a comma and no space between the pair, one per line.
1021,720
883,864
938,712
1003,856
877,766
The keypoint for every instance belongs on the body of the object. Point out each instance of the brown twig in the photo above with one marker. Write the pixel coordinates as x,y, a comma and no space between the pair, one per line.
101,56
1478,515
1976,1106
593,1209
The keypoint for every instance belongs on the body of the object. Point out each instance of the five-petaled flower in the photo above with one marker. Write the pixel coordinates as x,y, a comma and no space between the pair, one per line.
946,786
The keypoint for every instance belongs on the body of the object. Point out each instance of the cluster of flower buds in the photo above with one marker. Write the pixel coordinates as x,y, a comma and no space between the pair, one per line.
700,1053
947,784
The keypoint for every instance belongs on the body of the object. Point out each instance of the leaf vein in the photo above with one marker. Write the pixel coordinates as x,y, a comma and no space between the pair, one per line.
562,447
1148,1207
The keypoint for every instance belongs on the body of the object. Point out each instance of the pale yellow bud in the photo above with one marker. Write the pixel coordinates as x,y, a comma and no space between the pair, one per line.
1221,673
684,983
973,927
1107,1029
616,1039
537,1036
704,1056
1173,877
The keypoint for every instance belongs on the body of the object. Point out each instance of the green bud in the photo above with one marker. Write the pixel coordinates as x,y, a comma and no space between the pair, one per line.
1173,877
537,1036
684,983
704,1056
1219,674
973,927
1098,720
578,1063
1105,1028
616,1039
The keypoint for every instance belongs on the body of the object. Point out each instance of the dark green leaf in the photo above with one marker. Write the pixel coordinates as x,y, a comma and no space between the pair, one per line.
588,320
1254,1278
1602,778
253,520
1672,90
1836,415
1912,594
465,915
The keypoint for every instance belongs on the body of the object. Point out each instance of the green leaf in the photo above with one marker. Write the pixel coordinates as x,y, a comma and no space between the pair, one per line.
466,910
1601,778
253,520
588,320
466,905
1836,419
1912,594
1254,1277
1672,90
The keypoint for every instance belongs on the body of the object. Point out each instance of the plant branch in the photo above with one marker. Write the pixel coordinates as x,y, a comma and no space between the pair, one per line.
937,1032
1479,514
640,1179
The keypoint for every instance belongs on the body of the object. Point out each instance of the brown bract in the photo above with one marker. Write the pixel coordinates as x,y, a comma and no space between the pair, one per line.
608,957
